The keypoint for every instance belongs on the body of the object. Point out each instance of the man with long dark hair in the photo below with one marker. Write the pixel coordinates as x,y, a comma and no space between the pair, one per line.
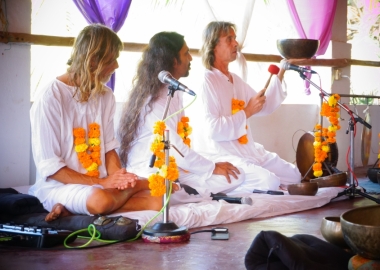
78,169
167,51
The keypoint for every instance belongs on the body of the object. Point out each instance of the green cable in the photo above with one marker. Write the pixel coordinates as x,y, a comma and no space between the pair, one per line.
149,221
95,234
177,112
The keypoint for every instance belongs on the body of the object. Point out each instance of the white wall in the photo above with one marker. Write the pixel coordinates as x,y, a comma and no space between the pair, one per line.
280,132
15,157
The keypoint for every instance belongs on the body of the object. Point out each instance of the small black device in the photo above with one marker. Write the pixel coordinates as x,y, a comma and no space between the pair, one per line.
32,236
220,233
271,192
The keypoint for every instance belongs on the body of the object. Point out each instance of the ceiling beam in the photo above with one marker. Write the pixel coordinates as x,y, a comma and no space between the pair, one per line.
6,37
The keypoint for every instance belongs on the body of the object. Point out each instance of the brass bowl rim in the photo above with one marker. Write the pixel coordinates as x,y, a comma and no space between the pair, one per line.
358,209
292,39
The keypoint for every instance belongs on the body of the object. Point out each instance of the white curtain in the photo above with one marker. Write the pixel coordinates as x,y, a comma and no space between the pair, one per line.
238,13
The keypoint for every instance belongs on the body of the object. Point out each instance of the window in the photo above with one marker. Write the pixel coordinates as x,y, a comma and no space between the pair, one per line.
269,22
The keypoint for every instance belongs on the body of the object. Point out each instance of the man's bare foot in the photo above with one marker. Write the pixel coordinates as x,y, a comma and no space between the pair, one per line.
58,211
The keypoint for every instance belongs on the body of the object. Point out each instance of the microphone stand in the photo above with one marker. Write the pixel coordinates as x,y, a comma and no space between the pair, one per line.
351,191
166,231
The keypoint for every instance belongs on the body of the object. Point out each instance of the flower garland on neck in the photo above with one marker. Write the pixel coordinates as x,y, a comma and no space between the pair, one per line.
184,130
91,161
170,172
238,105
330,110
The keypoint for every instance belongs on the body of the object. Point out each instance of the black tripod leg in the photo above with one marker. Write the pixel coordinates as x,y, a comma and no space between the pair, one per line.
351,191
368,196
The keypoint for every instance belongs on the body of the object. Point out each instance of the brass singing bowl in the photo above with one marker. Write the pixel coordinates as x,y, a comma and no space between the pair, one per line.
333,180
331,230
361,230
307,188
297,48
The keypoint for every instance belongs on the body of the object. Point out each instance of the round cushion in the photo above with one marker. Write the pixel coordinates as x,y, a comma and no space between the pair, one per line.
359,263
374,174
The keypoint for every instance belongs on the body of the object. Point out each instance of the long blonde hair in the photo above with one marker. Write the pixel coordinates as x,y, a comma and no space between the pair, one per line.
95,47
211,36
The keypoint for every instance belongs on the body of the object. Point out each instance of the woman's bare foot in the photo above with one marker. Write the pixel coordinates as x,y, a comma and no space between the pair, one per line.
57,211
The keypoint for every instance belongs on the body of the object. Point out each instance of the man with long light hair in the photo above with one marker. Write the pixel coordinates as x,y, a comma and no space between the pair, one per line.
227,102
78,169
167,51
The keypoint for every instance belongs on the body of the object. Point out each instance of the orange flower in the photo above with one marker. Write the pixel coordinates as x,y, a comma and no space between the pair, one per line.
184,130
330,110
89,161
157,180
238,105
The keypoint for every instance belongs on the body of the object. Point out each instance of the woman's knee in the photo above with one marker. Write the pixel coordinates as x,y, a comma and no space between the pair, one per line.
99,202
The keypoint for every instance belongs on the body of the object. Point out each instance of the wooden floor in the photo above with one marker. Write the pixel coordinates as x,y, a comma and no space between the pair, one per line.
199,253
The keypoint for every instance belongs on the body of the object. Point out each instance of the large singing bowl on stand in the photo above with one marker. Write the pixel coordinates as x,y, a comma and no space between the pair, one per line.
305,156
297,48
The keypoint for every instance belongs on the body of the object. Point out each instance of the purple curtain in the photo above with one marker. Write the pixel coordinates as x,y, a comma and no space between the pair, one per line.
313,20
111,13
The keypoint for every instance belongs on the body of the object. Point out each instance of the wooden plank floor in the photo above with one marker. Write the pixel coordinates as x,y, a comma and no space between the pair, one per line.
199,253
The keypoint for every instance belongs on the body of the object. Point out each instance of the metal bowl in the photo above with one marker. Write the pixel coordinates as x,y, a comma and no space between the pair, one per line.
373,174
333,180
308,189
361,230
297,48
331,230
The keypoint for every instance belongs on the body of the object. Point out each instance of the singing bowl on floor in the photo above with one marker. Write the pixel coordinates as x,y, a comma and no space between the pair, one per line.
361,230
373,174
297,48
308,189
333,180
331,230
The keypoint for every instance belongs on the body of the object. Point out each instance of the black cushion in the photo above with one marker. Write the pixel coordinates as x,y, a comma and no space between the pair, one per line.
272,250
14,203
24,209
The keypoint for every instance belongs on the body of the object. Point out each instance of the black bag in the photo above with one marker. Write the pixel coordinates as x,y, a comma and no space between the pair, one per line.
272,250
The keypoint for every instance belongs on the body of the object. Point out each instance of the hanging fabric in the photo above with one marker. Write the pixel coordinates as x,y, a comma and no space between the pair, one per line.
111,13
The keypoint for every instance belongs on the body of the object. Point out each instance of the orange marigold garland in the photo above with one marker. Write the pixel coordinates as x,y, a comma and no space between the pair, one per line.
184,130
170,172
238,105
330,110
91,161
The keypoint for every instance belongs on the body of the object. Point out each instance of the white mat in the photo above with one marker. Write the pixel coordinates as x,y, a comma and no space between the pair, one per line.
206,213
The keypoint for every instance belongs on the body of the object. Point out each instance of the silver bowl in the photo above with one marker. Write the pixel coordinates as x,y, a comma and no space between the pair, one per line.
331,230
297,48
361,230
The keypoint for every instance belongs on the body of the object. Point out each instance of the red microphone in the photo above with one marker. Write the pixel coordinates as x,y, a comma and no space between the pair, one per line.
273,69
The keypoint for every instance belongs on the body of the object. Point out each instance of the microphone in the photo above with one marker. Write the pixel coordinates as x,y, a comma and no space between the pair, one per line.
238,200
288,66
165,77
